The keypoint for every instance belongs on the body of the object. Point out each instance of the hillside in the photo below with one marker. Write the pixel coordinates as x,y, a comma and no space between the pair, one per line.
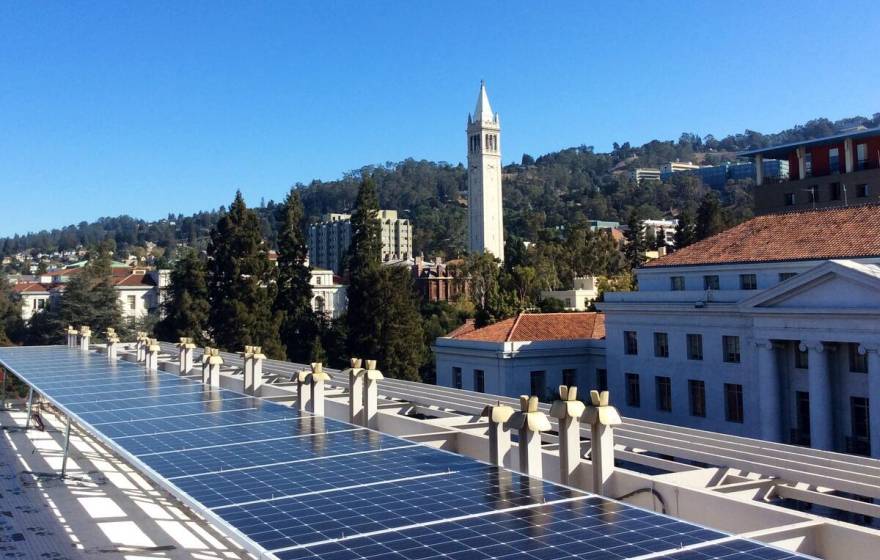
540,194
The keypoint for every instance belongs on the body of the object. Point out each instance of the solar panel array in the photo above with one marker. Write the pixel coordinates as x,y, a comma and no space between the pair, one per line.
290,486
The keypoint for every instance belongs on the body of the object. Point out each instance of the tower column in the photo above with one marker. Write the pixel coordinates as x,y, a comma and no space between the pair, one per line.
821,414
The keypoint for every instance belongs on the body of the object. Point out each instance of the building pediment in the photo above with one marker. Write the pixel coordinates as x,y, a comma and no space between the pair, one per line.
839,285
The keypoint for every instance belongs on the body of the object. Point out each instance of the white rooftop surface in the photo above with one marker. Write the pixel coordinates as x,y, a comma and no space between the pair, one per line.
104,509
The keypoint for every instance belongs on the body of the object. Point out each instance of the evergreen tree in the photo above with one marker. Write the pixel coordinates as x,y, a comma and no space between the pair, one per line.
402,350
660,241
684,231
11,325
241,284
299,328
364,276
635,240
186,307
709,218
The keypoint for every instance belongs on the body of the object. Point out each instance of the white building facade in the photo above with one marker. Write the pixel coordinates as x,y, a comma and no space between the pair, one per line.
485,215
584,292
328,294
528,355
780,349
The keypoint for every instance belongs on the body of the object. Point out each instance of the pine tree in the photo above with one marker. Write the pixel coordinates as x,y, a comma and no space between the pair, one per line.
684,230
709,218
635,240
402,347
241,284
364,276
299,327
186,307
11,325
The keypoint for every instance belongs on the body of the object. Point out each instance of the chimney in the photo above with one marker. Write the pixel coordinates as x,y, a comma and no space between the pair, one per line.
499,433
602,417
303,393
85,336
530,422
185,350
568,410
371,395
151,356
112,345
317,380
252,386
248,371
72,335
355,392
214,362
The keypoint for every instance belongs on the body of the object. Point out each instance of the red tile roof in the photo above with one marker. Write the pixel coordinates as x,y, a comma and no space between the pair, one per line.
23,287
134,280
528,327
832,233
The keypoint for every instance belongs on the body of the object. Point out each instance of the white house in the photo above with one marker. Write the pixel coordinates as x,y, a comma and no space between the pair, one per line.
584,291
34,297
529,354
328,293
770,329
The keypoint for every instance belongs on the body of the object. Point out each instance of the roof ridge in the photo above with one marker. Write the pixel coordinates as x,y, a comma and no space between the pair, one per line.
513,327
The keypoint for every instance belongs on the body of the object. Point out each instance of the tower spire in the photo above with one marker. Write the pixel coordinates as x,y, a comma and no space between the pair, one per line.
483,112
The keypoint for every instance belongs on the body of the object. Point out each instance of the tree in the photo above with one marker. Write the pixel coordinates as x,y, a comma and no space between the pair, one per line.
363,264
382,318
299,328
241,284
709,218
684,230
186,308
635,240
10,313
660,240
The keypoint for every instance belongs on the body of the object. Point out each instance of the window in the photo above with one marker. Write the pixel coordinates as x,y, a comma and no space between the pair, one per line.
569,377
664,393
834,161
862,156
801,358
630,343
602,379
132,302
731,349
834,191
789,199
748,282
695,346
538,381
801,435
858,363
710,282
633,396
858,407
661,345
456,377
808,164
479,381
783,276
677,283
733,402
862,191
697,397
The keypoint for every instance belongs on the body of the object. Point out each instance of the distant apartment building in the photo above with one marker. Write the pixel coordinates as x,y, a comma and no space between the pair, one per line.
770,329
676,166
838,170
530,354
329,240
643,174
585,290
717,176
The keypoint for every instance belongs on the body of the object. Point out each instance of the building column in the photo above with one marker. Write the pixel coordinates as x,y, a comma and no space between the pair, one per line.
372,376
848,154
769,391
499,433
872,353
85,336
802,162
759,170
821,411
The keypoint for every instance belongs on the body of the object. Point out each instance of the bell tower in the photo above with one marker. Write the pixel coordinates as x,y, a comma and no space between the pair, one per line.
485,217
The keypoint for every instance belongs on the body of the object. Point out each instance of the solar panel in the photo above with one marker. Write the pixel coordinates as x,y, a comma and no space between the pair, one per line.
290,485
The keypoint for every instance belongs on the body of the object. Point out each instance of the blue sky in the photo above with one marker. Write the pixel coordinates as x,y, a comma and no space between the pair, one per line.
145,108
